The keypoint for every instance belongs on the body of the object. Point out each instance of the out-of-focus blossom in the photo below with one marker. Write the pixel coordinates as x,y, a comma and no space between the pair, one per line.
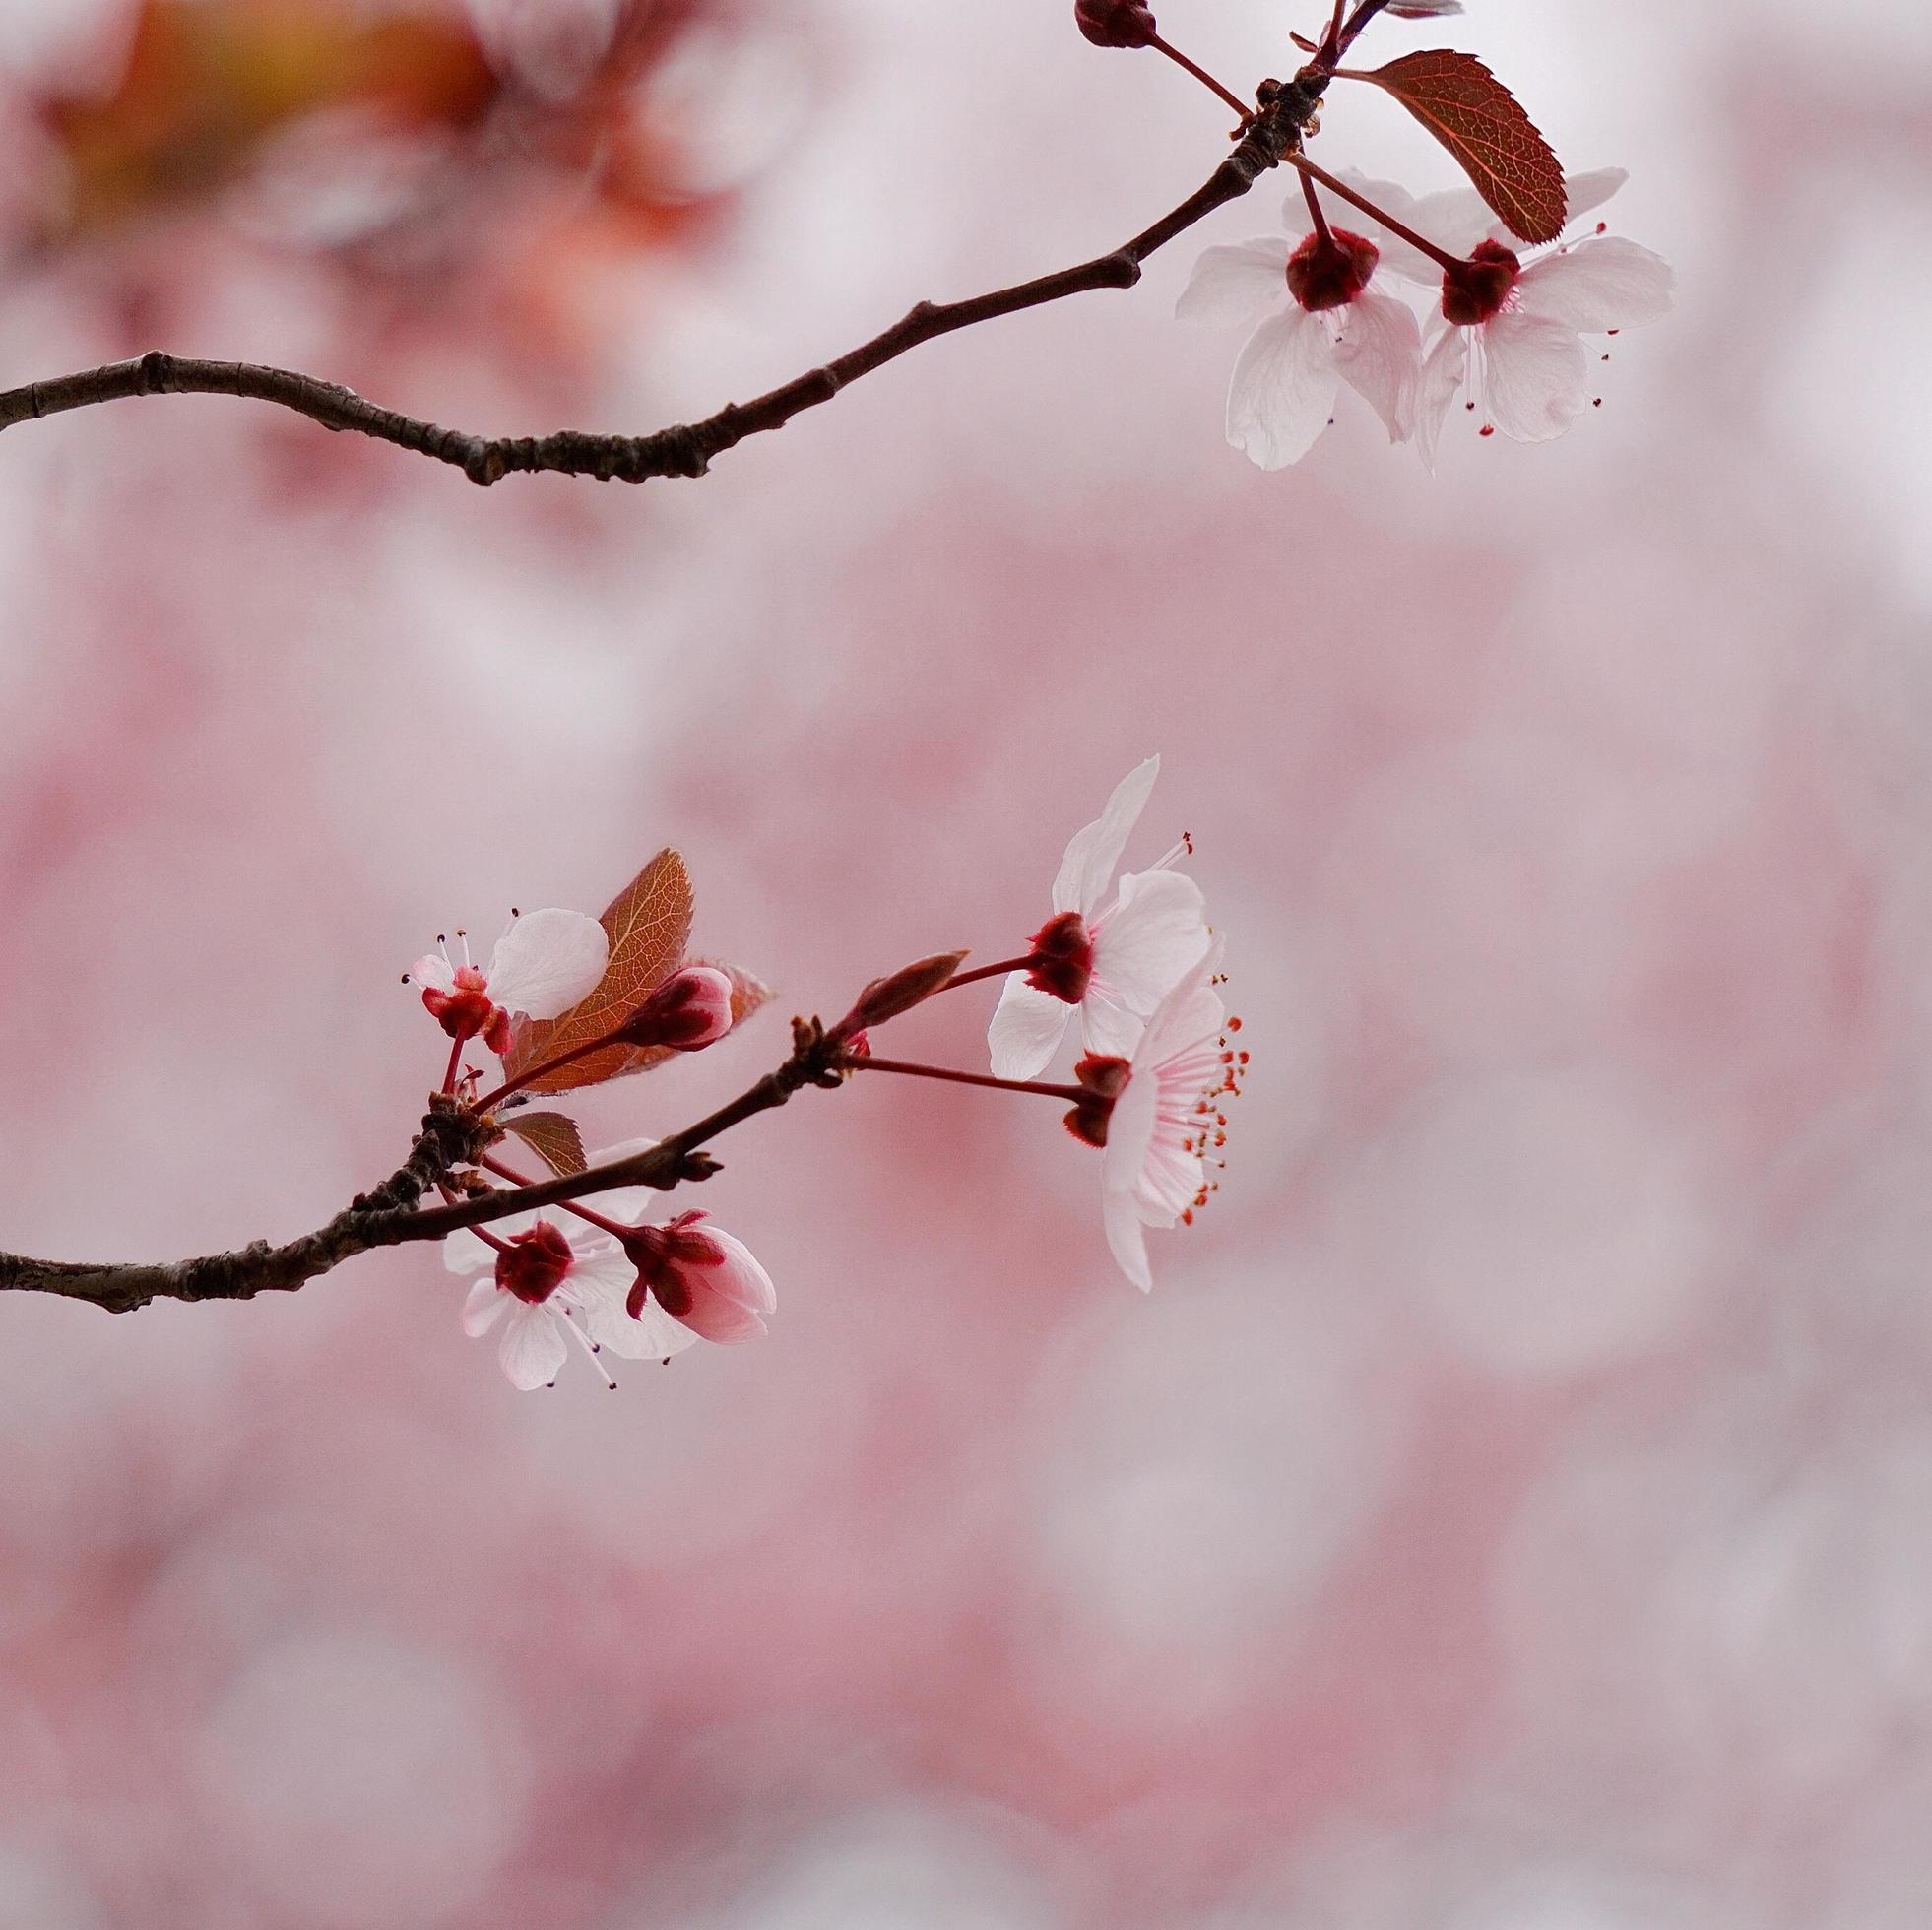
1320,325
543,965
1112,959
1166,1118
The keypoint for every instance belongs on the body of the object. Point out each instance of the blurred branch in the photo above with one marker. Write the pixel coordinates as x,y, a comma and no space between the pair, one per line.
388,1215
686,449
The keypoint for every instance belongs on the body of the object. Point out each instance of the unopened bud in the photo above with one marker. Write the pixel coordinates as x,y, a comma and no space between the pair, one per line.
1115,23
899,992
689,1010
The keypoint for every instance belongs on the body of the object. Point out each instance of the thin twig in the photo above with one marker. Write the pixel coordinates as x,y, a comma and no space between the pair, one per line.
686,449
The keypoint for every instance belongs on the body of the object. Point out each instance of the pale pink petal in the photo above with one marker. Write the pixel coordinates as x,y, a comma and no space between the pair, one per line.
1093,851
1127,1239
1443,375
1108,1023
728,1302
600,1269
1190,1012
653,1336
1129,1135
533,1347
1598,286
1026,1030
1148,943
1536,375
1381,360
483,1305
546,961
432,972
1283,390
1237,286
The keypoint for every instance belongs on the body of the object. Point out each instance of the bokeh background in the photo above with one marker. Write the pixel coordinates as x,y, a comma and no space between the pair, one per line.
1511,1510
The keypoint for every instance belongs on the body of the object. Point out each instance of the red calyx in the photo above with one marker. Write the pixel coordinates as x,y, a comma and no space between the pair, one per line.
533,1265
661,1256
468,1009
1475,290
1102,1077
1329,270
1062,958
1115,23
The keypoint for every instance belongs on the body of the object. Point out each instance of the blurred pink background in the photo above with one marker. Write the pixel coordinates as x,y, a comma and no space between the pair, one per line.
1511,1510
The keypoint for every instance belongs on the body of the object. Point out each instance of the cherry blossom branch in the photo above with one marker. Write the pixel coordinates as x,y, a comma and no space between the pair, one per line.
1269,135
388,1215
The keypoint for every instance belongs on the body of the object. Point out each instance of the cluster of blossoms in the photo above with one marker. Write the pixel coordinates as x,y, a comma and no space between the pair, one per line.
1507,330
1132,957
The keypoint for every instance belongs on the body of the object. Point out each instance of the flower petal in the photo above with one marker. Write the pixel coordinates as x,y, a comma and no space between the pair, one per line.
1154,936
482,1306
1283,389
533,1347
1381,360
546,961
1237,284
729,1302
1536,375
1442,374
1598,284
1094,850
653,1336
432,972
1026,1030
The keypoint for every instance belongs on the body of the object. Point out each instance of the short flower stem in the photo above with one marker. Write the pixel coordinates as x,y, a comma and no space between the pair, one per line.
455,1058
1004,966
515,1178
1315,206
536,1073
1074,1094
1310,171
1207,79
1331,40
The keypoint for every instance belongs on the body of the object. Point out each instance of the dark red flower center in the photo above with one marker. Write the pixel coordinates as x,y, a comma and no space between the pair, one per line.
533,1265
1329,270
1475,290
1062,958
664,1256
1102,1077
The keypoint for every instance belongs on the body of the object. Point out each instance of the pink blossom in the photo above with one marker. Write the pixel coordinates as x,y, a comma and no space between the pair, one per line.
1320,325
701,1277
1166,1118
543,965
689,1010
1112,958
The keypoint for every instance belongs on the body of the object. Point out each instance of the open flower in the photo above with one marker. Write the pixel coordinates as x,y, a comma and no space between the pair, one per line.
1320,325
548,1289
1110,958
1166,1117
543,965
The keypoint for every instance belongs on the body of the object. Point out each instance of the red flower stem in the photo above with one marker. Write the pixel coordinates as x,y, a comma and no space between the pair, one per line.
1315,209
536,1073
488,1239
1207,79
1077,1094
455,1054
515,1178
1005,965
1331,48
1368,206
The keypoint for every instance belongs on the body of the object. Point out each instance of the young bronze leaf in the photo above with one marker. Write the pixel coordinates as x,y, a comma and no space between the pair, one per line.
1483,125
649,925
553,1136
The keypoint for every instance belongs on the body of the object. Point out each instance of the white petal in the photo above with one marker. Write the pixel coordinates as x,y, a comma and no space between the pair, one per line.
483,1305
1108,1023
533,1346
1149,942
546,961
1442,376
1238,285
1536,375
729,1303
1598,284
1192,1011
1026,1030
653,1336
432,972
1381,360
600,1270
1283,390
1127,1239
1129,1135
1093,851
464,1253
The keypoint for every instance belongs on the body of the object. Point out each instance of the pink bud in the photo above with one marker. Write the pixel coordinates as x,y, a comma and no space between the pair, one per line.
689,1010
701,1277
1115,23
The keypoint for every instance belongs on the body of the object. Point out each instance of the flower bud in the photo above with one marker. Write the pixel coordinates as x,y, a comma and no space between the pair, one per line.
1115,23
899,992
689,1010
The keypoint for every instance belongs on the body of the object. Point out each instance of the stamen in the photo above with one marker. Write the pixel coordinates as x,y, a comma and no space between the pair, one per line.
590,1347
1175,853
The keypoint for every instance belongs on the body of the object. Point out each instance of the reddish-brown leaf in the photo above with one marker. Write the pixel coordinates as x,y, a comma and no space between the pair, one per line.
649,925
553,1136
1483,125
